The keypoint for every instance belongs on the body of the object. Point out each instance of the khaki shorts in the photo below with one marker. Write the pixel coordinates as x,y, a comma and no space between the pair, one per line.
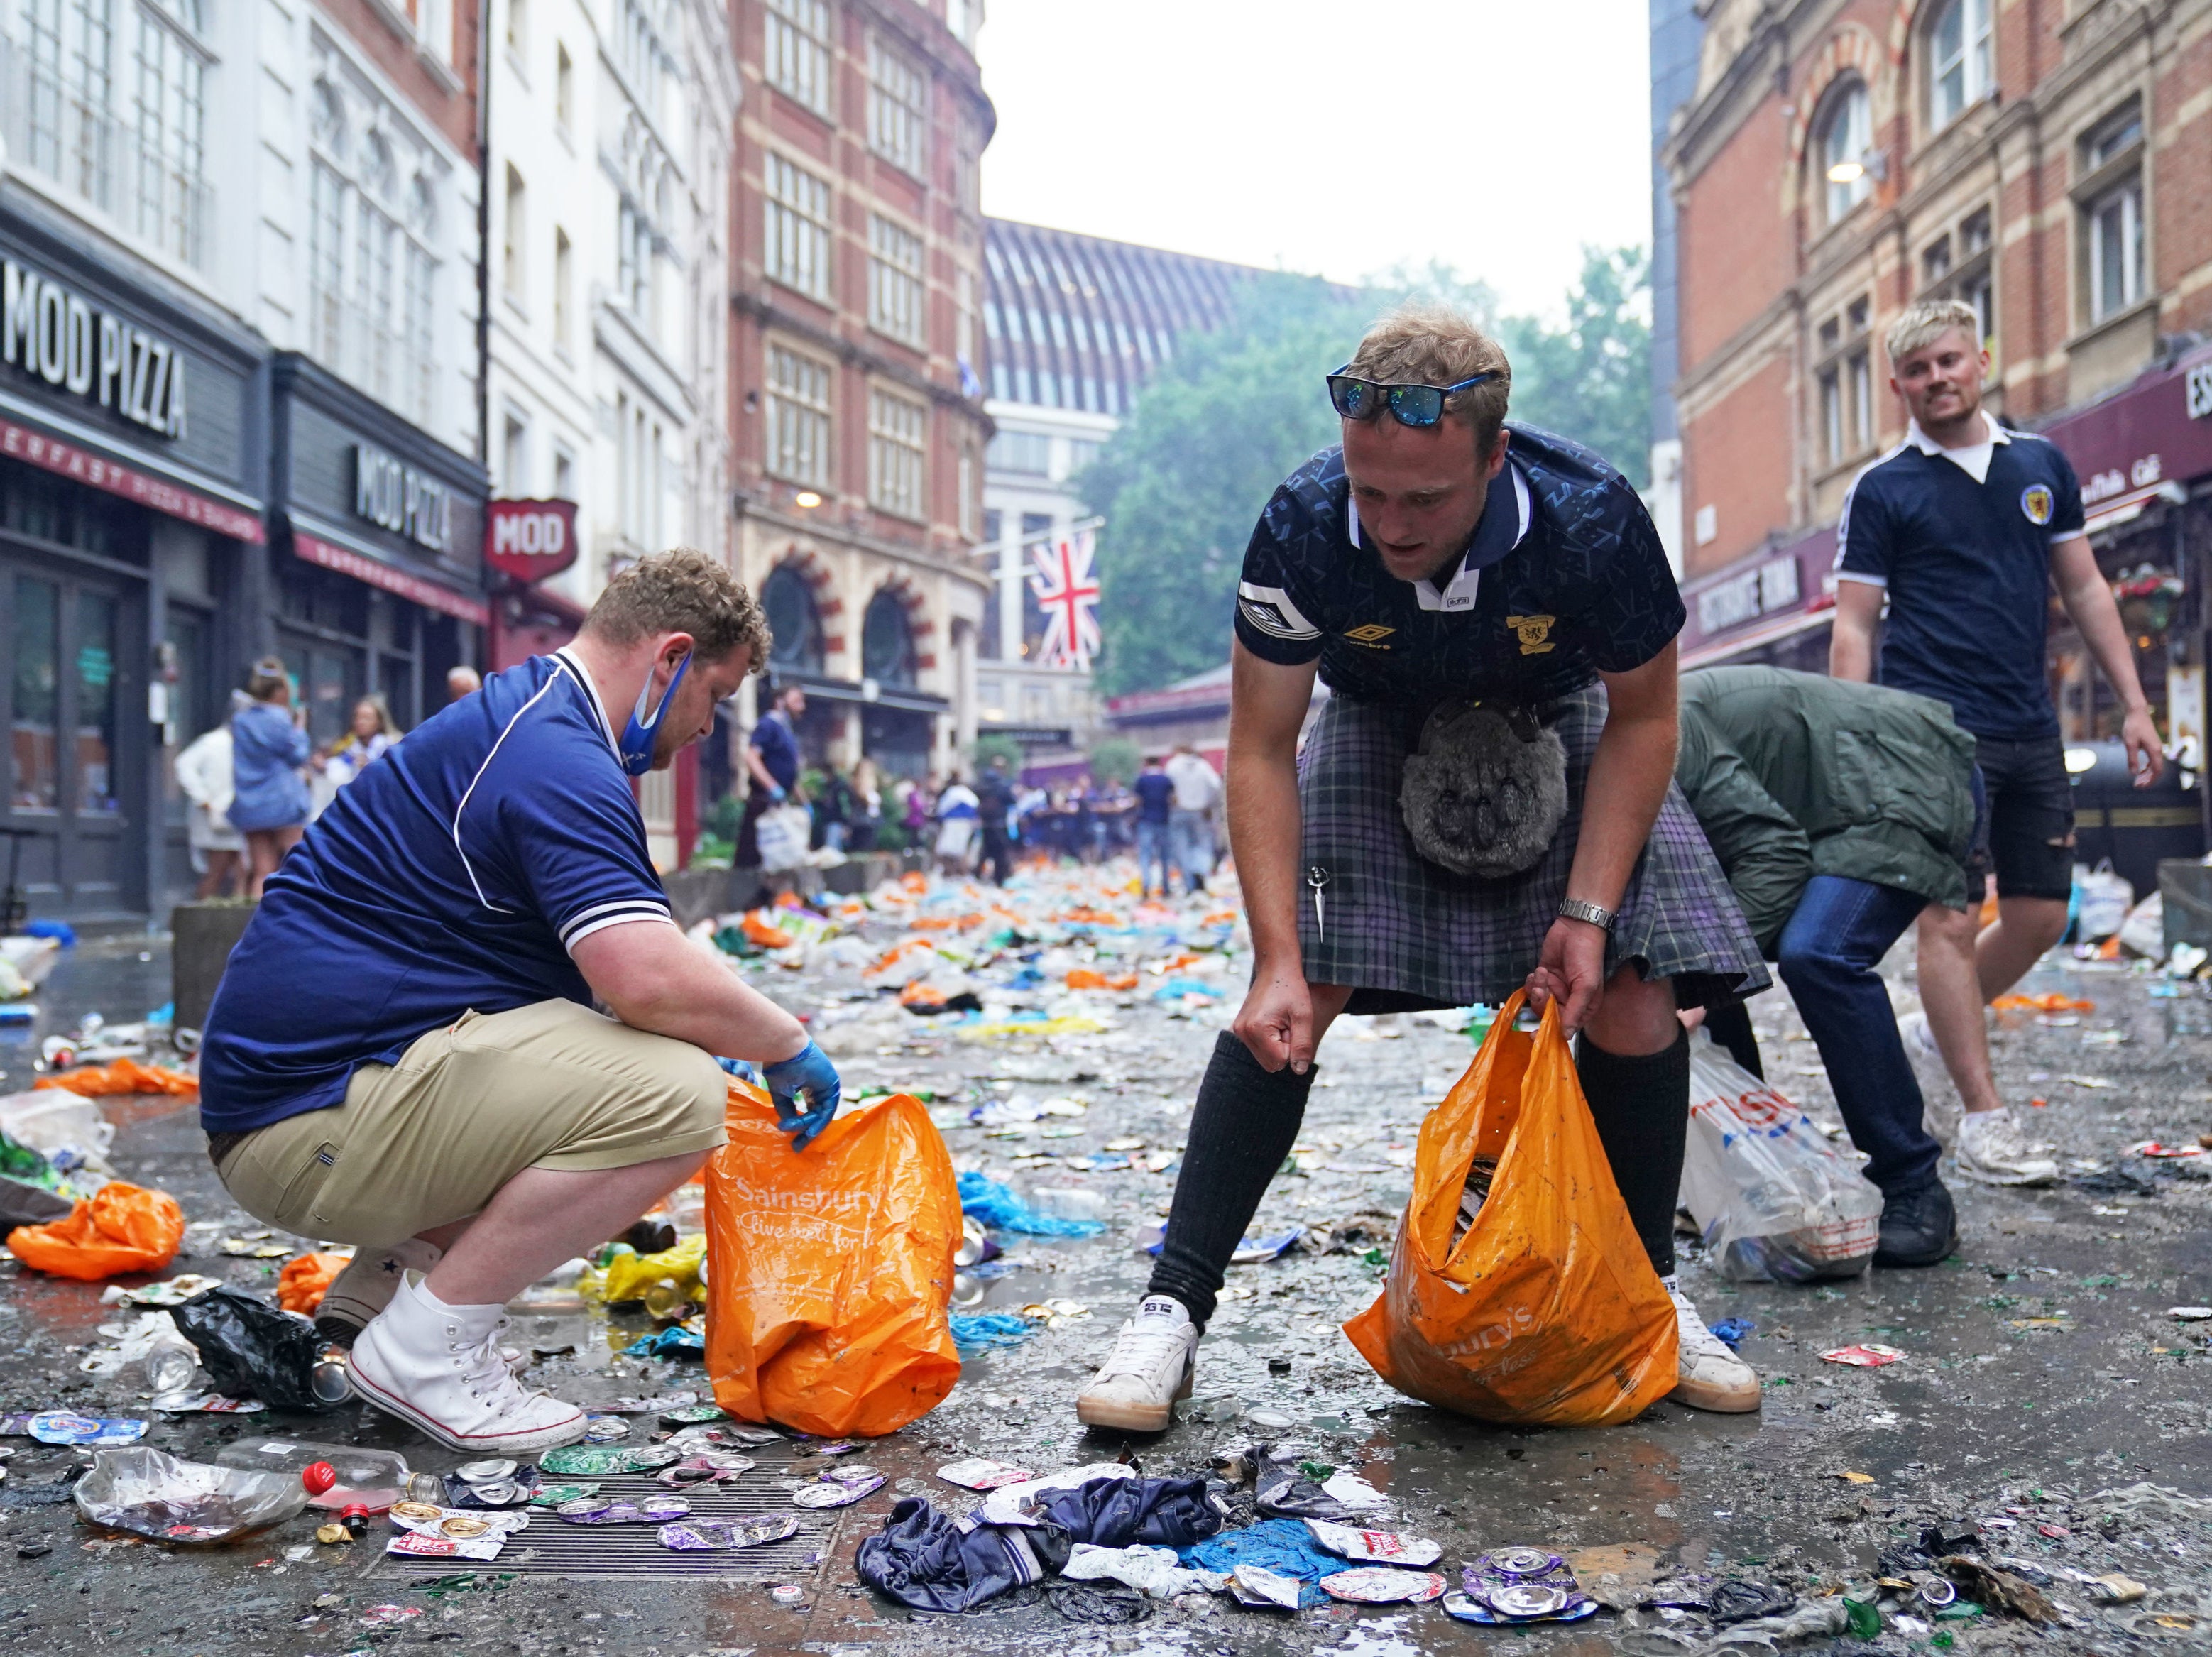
428,1141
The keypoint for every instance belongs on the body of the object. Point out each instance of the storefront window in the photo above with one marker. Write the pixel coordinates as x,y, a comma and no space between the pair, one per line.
329,702
95,702
36,698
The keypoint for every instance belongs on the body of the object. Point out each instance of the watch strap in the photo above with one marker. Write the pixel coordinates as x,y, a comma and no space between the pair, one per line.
1575,908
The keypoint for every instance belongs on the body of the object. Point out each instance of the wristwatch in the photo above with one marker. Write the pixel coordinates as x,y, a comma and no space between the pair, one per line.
1574,908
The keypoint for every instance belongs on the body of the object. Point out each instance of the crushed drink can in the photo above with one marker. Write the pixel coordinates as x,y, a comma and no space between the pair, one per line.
692,1415
552,1495
330,1381
67,1427
1376,1547
722,1535
1518,1562
788,1593
604,1430
1383,1585
840,1488
487,1471
422,1544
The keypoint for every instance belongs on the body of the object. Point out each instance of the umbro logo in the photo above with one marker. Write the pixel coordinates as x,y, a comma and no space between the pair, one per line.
1369,632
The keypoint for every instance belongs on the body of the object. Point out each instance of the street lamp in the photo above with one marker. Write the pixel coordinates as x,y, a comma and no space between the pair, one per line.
1874,162
806,500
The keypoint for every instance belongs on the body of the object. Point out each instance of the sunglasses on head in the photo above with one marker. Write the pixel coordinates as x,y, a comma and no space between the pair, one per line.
1410,405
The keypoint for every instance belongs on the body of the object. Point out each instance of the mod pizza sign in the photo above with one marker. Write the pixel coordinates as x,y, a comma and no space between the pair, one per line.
530,540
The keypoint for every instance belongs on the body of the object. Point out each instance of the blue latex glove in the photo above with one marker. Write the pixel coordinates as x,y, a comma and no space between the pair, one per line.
775,794
808,1074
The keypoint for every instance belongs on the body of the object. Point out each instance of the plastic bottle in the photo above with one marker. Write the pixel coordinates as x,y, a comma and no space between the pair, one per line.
170,1365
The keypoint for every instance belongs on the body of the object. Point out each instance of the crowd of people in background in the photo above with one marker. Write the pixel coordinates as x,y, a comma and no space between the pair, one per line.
253,784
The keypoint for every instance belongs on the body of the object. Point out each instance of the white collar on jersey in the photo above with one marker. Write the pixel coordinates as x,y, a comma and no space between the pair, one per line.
1458,595
576,670
1973,458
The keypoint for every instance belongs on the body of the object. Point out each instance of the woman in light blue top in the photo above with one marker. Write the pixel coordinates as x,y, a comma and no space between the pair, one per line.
269,803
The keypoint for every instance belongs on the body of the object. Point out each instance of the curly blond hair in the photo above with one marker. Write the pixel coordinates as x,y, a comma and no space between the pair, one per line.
1427,343
682,590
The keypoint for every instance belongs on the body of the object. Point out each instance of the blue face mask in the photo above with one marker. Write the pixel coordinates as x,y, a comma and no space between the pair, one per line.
636,745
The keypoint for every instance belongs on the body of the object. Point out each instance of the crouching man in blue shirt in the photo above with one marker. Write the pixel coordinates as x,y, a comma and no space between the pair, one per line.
404,1054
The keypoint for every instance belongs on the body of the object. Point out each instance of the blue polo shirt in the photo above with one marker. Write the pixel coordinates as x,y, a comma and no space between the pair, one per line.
773,741
455,874
1966,563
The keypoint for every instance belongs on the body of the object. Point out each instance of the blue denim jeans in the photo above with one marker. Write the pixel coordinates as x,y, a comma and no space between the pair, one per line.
1190,847
1153,854
1828,951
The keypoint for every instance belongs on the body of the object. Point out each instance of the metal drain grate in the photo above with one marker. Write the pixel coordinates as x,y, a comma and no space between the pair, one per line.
549,1547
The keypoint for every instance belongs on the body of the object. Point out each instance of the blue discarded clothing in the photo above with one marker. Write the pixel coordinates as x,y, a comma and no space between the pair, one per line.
996,1205
1284,1546
977,1333
673,1341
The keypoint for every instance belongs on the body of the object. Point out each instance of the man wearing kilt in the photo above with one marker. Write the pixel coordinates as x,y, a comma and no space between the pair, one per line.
1486,803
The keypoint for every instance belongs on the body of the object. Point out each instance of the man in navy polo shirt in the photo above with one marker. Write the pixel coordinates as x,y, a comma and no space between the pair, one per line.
1964,528
404,1052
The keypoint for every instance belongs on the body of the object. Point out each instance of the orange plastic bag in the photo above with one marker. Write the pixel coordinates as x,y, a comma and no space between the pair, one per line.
1547,1312
302,1283
119,1228
830,1271
123,1076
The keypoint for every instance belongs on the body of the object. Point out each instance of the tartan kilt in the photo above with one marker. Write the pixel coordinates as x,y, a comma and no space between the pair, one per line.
1407,934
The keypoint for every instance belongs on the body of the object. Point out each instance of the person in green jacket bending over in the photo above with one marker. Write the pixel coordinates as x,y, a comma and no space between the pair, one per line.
1839,811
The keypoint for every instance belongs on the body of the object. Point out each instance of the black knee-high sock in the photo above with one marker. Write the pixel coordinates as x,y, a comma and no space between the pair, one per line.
1245,1123
1642,1108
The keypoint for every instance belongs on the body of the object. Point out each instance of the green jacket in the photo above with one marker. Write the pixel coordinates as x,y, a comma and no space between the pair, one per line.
1794,774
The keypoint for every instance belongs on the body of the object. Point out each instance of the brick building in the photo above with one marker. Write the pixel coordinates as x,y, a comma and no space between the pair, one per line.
858,429
2047,161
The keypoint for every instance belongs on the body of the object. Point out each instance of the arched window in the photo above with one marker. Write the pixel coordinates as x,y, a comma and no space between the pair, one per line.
1846,148
1962,67
887,642
793,623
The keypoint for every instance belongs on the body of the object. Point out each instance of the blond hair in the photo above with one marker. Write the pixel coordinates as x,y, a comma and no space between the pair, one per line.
267,677
682,592
1427,343
1920,325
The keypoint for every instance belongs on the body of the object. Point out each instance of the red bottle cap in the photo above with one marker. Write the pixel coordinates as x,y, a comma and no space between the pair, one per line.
354,1510
319,1477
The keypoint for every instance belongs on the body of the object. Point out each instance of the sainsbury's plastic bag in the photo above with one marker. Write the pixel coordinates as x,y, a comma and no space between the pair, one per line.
782,833
119,1228
830,1271
1546,1312
1774,1200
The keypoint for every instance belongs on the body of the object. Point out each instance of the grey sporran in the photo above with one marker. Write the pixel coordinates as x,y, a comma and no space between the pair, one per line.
1487,790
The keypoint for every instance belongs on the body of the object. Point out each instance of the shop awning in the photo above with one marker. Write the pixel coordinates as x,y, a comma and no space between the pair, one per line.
332,551
867,693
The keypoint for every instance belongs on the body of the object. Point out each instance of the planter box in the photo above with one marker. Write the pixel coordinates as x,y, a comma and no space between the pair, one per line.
203,935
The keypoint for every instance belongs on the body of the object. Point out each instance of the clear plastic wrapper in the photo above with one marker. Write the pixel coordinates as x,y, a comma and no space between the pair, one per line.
164,1499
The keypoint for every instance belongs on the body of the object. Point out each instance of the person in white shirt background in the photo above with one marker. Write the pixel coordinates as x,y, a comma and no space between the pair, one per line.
204,774
1190,817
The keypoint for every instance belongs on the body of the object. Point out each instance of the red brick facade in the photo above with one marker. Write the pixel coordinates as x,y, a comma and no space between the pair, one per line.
1786,283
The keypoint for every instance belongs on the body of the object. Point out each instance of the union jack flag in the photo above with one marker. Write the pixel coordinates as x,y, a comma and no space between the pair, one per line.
1067,592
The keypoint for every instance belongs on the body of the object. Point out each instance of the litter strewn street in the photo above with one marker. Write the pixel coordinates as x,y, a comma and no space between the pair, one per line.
2045,1413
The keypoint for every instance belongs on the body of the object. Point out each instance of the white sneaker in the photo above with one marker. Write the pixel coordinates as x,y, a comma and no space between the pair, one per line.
1150,1368
440,1367
1713,1377
1993,1150
1940,1106
366,1285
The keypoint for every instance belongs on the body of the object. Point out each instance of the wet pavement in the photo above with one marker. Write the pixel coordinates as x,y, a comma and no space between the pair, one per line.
2041,1370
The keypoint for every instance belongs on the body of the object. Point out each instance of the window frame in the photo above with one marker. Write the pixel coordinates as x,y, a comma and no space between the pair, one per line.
2127,197
2109,173
1843,375
787,223
1850,94
787,42
900,490
792,409
1974,63
898,108
898,282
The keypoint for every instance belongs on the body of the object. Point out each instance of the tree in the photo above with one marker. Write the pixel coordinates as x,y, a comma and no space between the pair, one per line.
1116,759
996,745
1590,380
1180,483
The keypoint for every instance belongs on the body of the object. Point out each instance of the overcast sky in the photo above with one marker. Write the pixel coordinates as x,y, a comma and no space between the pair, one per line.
1268,132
